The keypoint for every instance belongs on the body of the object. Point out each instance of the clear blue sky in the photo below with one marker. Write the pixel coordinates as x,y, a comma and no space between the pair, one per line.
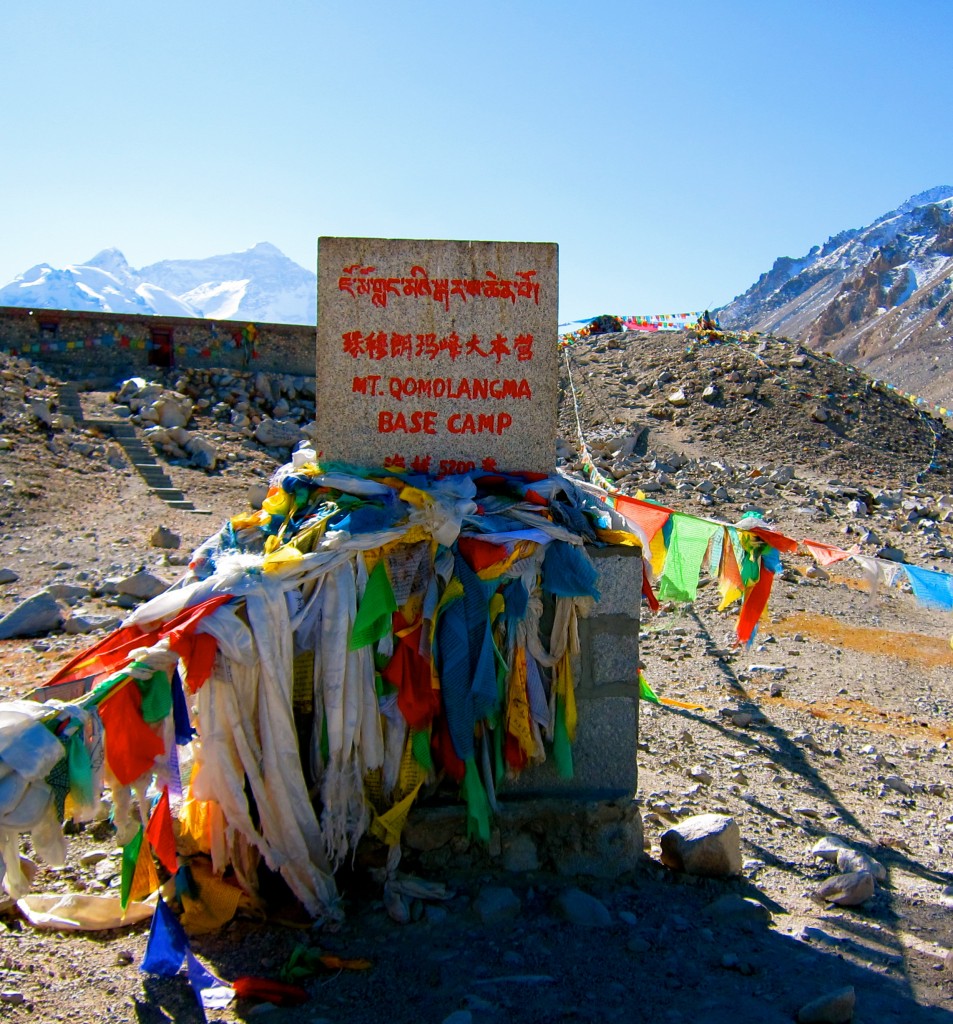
673,150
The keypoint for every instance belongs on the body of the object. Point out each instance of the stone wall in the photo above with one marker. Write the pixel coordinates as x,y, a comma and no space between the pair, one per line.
116,345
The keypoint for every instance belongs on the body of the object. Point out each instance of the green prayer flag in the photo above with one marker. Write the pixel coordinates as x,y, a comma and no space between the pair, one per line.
646,692
156,697
478,806
686,552
374,613
420,747
80,770
562,747
130,857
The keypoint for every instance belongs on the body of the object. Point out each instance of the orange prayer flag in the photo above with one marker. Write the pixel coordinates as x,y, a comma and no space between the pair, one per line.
650,517
827,554
728,570
145,881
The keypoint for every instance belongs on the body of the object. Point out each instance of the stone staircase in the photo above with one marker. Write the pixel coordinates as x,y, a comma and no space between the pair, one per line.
138,453
68,403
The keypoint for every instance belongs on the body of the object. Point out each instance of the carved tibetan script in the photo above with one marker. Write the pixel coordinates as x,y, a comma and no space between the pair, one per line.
437,356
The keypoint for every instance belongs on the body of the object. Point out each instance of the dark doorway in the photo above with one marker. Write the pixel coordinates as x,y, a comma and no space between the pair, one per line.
160,346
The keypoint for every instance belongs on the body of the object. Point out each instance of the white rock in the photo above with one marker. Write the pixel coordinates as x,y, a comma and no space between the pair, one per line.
854,860
581,909
828,848
707,844
203,453
273,434
897,784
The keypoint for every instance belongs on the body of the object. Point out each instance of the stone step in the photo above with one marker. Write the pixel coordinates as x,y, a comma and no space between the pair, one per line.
183,505
170,494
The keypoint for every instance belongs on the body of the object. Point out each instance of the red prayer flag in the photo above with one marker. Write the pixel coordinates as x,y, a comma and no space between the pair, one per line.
131,745
160,835
755,602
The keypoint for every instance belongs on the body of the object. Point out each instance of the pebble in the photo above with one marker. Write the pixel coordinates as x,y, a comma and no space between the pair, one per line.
495,903
579,908
897,784
832,1008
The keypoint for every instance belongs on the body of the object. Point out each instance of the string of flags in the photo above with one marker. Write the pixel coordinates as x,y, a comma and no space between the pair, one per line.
574,330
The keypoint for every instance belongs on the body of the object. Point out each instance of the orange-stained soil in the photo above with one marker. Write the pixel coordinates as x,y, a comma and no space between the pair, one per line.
928,651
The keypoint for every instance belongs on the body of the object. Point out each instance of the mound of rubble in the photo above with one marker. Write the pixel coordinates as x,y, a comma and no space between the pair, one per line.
756,403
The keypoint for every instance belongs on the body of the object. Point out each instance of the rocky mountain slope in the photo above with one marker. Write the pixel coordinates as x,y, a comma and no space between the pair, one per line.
880,297
836,723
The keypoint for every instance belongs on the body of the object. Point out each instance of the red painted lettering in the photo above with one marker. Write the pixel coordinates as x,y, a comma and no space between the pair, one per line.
365,385
488,423
401,423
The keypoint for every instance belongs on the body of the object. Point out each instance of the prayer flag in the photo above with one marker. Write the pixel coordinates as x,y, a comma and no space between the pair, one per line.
160,835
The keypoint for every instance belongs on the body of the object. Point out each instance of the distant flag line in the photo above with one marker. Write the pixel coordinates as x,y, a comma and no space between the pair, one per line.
574,329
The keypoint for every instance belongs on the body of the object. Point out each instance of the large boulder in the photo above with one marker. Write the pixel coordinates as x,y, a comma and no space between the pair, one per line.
707,844
277,434
35,616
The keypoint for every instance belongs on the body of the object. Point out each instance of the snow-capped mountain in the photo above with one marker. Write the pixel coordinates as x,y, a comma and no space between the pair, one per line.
880,297
259,285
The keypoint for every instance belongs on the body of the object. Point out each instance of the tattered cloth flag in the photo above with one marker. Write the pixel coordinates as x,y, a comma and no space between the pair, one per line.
168,948
931,587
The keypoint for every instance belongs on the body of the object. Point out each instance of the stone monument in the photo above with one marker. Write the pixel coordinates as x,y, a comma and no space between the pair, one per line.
437,356
440,357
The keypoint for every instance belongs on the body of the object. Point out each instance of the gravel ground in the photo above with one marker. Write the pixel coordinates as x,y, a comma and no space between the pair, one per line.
837,721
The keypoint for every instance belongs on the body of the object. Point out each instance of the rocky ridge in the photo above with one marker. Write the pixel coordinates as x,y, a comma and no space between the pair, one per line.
879,296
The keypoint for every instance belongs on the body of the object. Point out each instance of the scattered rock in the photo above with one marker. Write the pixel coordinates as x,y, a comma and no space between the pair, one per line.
275,434
35,616
897,784
520,854
8,576
495,903
162,537
581,909
854,860
142,586
83,623
847,890
732,908
707,844
829,847
833,1008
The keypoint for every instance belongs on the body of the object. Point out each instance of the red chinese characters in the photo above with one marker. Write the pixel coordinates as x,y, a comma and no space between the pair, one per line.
361,282
378,345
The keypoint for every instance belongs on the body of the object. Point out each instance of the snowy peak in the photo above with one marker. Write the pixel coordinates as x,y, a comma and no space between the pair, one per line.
104,285
879,296
260,284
